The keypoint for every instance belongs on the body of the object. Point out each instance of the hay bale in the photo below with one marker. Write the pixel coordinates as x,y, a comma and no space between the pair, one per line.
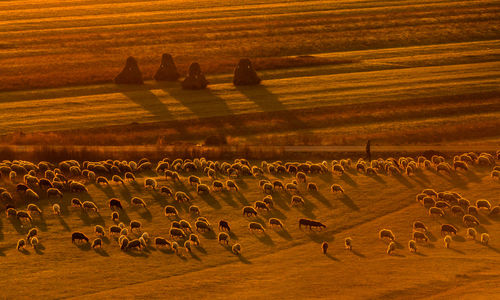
130,74
244,73
195,79
168,70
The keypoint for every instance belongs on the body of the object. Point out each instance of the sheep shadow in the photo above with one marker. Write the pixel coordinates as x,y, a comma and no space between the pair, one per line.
107,190
233,236
88,220
146,214
40,223
24,251
284,234
318,196
431,236
403,180
18,226
209,235
348,202
101,252
83,246
493,248
280,201
456,250
357,253
39,249
347,179
125,193
331,257
276,213
211,201
243,259
123,217
194,256
105,240
264,238
201,249
229,200
136,253
458,238
63,223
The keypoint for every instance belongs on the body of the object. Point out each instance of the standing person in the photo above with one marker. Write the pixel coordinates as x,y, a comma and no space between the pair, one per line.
368,151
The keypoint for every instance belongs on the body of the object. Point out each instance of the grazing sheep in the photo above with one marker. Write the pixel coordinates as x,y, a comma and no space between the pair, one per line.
412,246
417,225
89,205
56,209
123,242
443,167
301,177
203,189
435,211
115,204
150,183
175,247
203,219
249,211
145,237
297,201
124,231
447,241
135,225
430,192
34,242
11,212
419,236
102,180
162,242
170,211
75,202
448,229
348,243
21,244
136,201
275,222
485,238
386,233
195,210
134,244
231,185
277,184
495,174
77,187
99,230
194,239
442,204
202,226
471,233
268,200
12,176
483,203
217,186
470,221
117,179
45,183
495,211
53,192
129,176
473,210
167,191
193,180
175,224
261,205
252,226
181,197
291,187
311,224
187,246
338,169
6,197
23,216
31,233
464,203
224,226
312,187
223,237
460,165
115,216
114,230
236,249
337,188
121,225
457,210
391,247
33,208
79,237
185,225
21,187
267,188
97,243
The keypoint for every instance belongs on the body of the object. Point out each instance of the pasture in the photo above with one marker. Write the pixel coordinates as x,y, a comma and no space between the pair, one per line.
282,263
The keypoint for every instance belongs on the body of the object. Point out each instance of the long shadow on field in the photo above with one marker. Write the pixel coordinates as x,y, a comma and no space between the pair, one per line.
149,101
268,101
228,199
284,234
348,202
210,200
331,257
377,178
403,181
347,179
357,253
101,252
88,220
1,231
146,214
201,102
63,223
320,198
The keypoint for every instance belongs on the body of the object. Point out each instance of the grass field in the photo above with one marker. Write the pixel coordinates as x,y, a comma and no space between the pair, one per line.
281,264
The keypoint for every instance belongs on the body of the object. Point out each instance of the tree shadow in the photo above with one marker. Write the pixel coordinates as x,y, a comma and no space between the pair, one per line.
348,202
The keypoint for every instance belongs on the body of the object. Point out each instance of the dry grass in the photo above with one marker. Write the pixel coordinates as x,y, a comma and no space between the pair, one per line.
287,264
59,44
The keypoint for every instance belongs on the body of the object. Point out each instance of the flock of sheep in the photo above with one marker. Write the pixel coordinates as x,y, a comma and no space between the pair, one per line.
27,183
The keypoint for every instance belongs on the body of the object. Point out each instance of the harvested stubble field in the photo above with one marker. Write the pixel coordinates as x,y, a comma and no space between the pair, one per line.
278,263
374,65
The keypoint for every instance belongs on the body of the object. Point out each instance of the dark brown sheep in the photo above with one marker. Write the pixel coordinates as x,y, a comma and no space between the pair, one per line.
448,229
79,237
